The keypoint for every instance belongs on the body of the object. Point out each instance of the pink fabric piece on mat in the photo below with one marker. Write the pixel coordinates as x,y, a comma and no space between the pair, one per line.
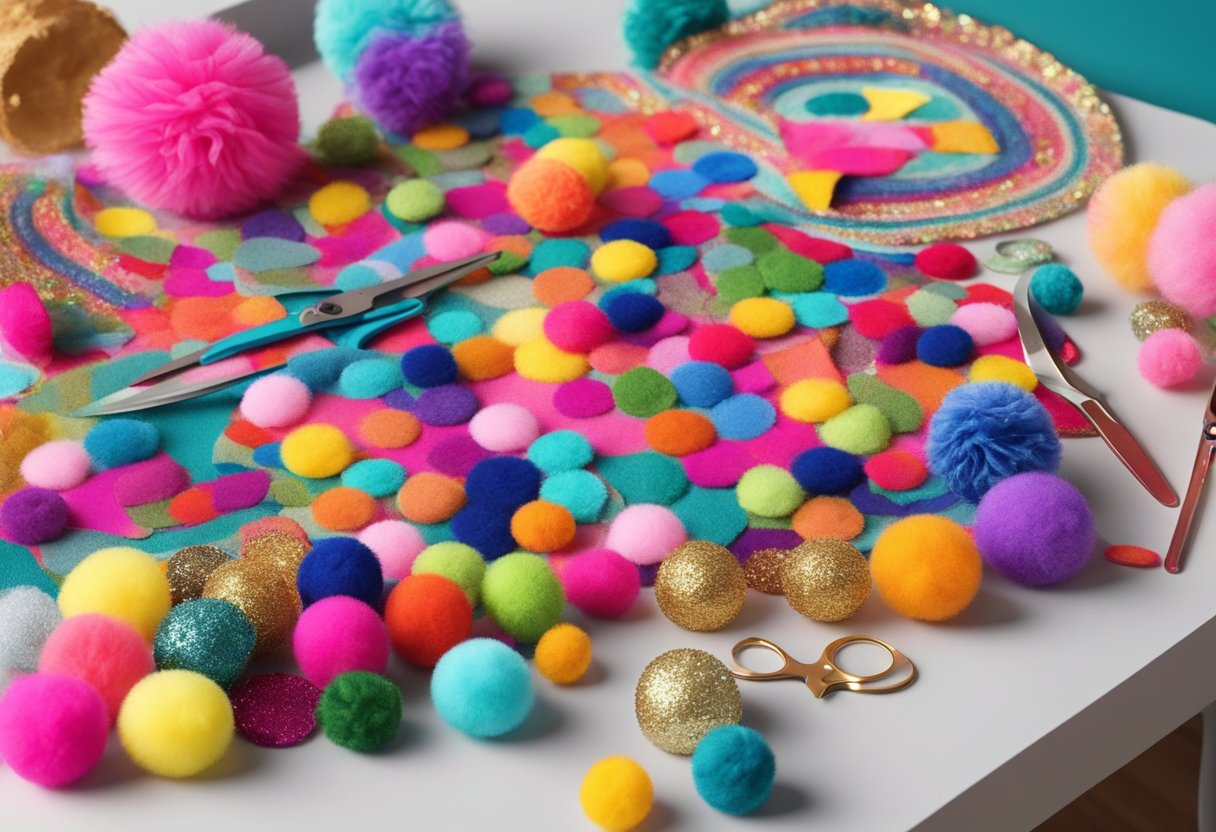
861,161
151,481
718,466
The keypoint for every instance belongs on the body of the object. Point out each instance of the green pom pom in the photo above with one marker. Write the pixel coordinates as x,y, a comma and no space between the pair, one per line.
347,142
653,25
522,596
415,200
360,711
861,430
769,491
457,562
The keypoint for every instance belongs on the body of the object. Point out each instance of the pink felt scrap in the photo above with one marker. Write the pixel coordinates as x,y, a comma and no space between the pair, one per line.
92,506
478,201
753,378
514,150
237,491
24,322
583,398
488,90
451,240
691,228
878,318
638,201
191,257
784,441
672,323
861,161
668,354
354,241
809,140
718,466
804,245
151,481
617,358
456,455
1068,420
195,283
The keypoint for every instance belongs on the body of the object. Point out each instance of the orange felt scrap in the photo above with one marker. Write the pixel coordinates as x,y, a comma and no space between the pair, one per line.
928,385
258,310
833,517
809,359
963,137
247,434
389,428
516,244
542,526
627,173
679,432
343,509
192,507
203,319
483,357
554,103
1127,555
561,284
428,497
474,277
671,126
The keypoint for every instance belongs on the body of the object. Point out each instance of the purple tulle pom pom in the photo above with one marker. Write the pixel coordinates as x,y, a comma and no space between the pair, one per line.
407,83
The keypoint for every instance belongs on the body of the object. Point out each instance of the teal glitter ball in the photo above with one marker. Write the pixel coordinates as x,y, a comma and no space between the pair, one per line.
209,636
360,711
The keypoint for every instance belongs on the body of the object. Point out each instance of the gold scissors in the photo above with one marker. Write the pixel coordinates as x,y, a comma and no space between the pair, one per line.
825,675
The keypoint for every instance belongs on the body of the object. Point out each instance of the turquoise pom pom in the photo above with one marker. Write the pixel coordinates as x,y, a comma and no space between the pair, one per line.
1056,288
482,688
344,28
653,25
733,769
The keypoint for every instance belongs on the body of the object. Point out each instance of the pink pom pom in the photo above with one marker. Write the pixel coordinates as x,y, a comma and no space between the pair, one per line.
110,655
986,323
578,326
59,465
196,118
646,533
453,240
52,728
395,543
1169,357
276,401
601,583
24,322
504,428
338,634
1182,252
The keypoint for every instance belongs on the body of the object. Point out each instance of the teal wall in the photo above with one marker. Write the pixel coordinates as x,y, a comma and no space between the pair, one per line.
1161,51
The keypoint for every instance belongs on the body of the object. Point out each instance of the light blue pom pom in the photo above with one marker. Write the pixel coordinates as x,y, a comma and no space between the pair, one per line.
483,688
343,28
581,492
118,442
377,477
561,450
370,378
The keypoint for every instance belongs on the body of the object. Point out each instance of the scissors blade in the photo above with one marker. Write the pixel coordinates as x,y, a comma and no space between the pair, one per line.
131,399
1194,490
1059,378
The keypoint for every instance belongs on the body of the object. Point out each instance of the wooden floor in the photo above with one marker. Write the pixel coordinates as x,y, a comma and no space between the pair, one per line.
1156,792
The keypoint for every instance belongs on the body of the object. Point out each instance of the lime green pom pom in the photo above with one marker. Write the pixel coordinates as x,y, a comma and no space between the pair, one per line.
415,200
769,491
861,430
347,142
457,562
522,596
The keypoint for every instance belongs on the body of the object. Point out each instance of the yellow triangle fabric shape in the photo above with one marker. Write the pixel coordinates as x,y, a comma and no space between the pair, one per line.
814,187
891,105
963,137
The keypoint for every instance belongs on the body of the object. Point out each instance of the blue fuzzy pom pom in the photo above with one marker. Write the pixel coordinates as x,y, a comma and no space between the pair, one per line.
118,442
733,769
377,477
653,25
726,166
340,566
482,688
632,311
343,28
1057,288
827,471
647,232
945,346
743,416
853,278
986,432
702,383
502,482
486,530
428,366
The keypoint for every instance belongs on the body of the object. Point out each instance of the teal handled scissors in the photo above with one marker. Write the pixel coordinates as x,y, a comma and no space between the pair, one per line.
351,319
825,675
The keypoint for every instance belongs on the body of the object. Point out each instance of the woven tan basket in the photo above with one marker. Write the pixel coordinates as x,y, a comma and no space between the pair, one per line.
49,52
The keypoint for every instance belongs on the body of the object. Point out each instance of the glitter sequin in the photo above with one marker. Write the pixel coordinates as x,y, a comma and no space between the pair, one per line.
275,710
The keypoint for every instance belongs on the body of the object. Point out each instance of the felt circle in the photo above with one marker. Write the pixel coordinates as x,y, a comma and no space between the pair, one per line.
428,497
444,406
370,378
389,429
721,344
862,429
429,365
561,450
702,383
504,428
679,432
541,360
945,346
814,400
581,492
583,398
762,317
316,451
769,491
743,416
643,392
483,357
376,477
622,260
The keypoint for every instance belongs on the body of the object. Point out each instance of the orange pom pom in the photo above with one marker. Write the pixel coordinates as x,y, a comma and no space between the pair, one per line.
343,509
389,428
679,432
428,497
426,615
542,526
926,567
561,284
833,517
483,357
550,195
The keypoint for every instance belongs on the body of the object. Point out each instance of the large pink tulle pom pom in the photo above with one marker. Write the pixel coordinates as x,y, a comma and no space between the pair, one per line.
194,117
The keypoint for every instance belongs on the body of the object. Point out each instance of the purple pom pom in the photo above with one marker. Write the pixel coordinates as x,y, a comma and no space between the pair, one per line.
407,83
899,346
1035,528
34,515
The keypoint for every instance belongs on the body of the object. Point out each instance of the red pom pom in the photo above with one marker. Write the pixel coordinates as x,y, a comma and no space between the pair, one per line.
879,318
722,344
426,616
671,126
946,261
896,470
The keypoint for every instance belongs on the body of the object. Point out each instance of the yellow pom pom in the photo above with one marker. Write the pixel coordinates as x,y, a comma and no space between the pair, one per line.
1122,215
339,203
815,400
616,794
622,260
124,222
584,155
628,173
121,582
762,317
1001,368
519,326
926,567
563,654
441,137
539,360
175,723
316,451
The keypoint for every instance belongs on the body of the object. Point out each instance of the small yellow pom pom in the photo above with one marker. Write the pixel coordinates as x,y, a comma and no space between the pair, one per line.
622,260
121,582
563,654
316,451
124,222
616,794
584,155
1001,368
814,400
519,326
1122,215
762,317
175,723
541,361
339,203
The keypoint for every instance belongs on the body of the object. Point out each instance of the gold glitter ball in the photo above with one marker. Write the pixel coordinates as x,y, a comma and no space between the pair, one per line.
701,586
189,569
682,696
763,570
259,590
1156,315
283,551
826,580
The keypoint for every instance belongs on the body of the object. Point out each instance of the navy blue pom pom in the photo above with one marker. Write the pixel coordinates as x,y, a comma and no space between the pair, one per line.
428,366
827,471
486,530
646,232
986,432
340,566
632,311
725,166
945,346
502,483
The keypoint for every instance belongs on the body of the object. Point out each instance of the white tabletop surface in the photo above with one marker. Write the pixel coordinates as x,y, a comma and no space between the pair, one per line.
1024,701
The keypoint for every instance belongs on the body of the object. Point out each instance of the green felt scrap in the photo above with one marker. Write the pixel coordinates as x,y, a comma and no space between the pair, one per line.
902,411
289,492
645,477
690,151
422,162
575,125
861,430
508,262
148,249
946,288
470,157
347,142
152,515
643,392
263,254
755,240
711,514
785,271
19,568
738,283
930,308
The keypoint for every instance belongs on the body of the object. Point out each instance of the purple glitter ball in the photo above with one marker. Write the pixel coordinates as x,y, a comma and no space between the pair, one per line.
1035,528
407,83
34,515
447,405
899,346
275,710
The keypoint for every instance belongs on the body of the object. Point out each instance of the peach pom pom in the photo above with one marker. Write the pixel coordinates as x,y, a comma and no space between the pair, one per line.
1122,214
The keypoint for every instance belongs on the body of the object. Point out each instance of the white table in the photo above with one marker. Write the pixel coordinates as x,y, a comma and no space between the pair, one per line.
1024,702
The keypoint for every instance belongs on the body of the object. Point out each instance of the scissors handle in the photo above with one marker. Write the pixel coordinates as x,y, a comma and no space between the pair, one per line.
1194,490
790,668
834,678
357,336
